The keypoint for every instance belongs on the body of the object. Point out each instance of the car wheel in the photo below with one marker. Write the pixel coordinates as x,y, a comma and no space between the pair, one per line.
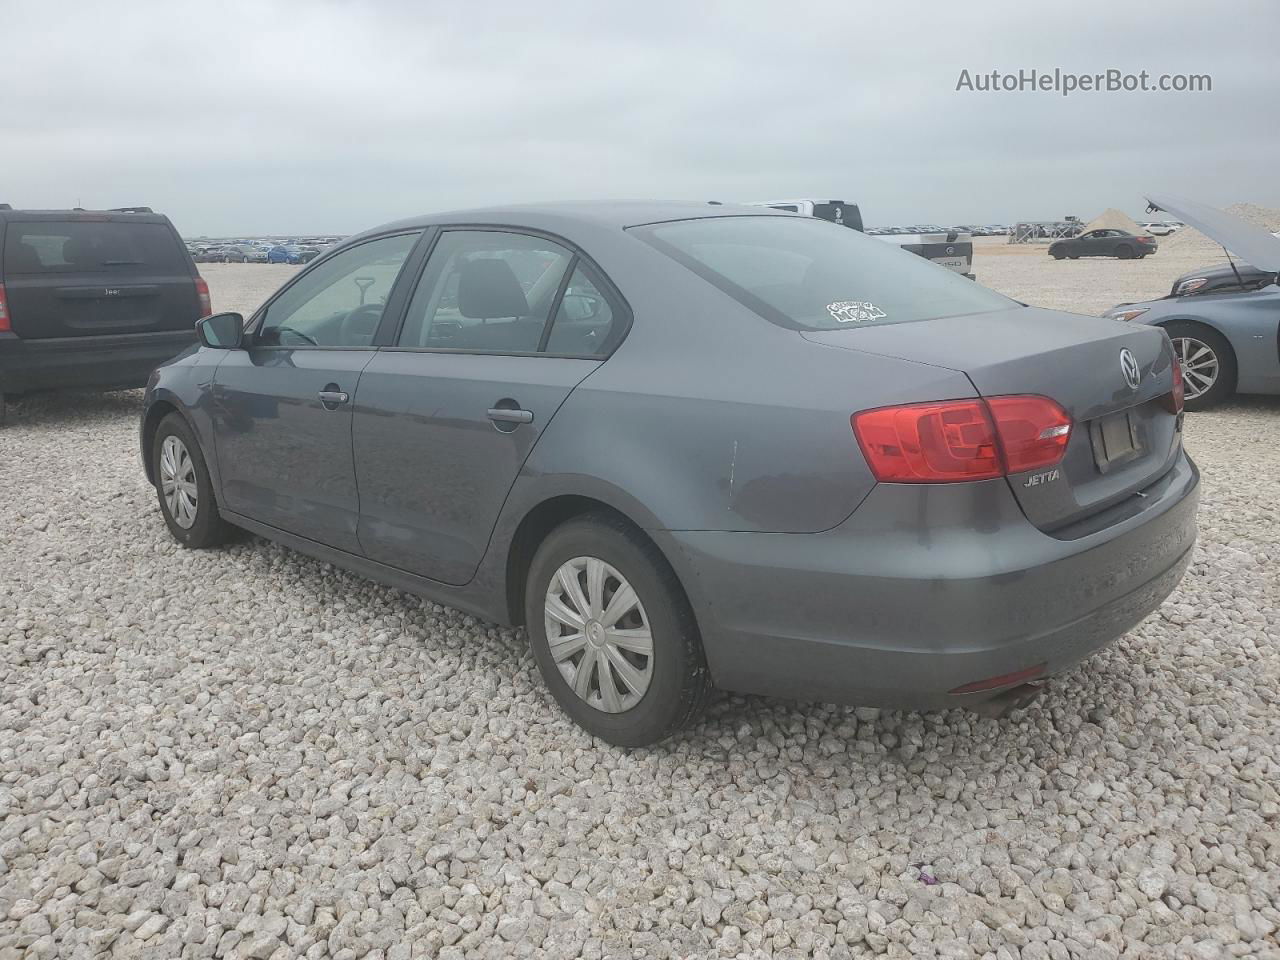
1058,254
1208,363
613,633
183,486
1124,251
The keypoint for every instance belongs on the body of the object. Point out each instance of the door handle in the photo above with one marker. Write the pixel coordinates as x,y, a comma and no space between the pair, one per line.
509,415
333,398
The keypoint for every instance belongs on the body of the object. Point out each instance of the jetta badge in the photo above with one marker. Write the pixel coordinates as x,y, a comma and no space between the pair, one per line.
1129,367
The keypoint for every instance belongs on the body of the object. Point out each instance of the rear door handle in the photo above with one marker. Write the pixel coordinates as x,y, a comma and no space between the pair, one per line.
333,398
507,415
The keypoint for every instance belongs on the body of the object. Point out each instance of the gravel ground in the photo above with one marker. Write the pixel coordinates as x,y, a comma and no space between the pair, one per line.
247,753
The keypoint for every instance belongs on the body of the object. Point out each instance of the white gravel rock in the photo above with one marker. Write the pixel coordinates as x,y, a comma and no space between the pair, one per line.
247,753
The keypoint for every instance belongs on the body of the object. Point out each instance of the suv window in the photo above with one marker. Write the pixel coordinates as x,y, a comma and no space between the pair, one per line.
92,246
487,291
340,302
584,324
809,274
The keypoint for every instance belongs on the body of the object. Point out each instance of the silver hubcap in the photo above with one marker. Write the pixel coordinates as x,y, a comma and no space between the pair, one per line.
178,481
599,635
1199,365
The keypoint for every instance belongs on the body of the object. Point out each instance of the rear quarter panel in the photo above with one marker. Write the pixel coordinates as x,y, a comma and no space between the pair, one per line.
709,417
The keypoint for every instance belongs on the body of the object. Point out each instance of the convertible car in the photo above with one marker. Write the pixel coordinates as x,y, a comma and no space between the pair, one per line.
1103,243
1228,338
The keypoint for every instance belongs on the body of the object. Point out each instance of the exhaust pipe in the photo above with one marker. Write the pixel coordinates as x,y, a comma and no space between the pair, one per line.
1015,698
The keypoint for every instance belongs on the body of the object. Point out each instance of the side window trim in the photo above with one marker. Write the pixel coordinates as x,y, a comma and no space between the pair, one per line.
556,301
618,303
254,326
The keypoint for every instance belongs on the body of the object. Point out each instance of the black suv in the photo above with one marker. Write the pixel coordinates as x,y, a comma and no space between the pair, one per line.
92,299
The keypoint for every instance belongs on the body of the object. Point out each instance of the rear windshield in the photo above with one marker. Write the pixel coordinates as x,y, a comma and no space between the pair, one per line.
92,246
808,274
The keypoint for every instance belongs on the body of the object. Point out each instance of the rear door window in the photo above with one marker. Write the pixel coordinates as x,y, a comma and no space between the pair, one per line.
92,246
586,324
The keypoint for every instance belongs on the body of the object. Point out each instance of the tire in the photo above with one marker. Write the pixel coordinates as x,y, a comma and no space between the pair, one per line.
678,682
1185,334
4,409
204,526
1057,254
1124,252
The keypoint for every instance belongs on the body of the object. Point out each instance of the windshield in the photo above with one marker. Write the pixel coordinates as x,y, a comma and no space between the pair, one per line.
808,274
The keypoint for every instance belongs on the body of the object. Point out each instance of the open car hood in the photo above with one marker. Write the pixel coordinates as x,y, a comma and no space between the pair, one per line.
1243,239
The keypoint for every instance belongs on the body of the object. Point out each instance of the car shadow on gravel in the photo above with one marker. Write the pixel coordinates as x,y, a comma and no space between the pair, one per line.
65,408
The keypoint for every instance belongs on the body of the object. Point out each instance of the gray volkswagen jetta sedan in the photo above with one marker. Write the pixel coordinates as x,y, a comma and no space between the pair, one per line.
692,446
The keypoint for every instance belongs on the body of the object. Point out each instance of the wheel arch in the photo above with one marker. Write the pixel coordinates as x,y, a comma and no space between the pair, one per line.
537,523
160,408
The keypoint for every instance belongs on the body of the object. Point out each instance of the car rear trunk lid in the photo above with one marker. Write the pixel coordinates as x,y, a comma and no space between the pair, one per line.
1123,437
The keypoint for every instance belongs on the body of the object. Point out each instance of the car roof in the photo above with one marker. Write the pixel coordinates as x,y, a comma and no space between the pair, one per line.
97,216
552,217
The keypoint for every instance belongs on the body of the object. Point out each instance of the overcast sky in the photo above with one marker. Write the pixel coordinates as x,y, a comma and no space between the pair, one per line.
265,117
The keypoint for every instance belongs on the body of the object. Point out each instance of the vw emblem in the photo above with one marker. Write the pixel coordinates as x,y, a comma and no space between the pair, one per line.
1129,367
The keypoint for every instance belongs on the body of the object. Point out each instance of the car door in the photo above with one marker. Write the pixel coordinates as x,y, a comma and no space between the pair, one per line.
500,329
282,424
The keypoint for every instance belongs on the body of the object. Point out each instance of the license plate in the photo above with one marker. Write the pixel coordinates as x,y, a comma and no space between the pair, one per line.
959,264
1114,440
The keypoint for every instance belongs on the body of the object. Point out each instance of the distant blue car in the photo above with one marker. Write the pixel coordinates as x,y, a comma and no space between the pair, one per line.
282,254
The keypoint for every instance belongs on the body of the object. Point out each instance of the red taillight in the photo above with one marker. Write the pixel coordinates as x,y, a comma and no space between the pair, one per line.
5,326
958,440
929,442
1033,431
1175,397
202,292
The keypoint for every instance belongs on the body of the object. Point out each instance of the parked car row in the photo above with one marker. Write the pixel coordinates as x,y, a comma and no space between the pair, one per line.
258,251
974,230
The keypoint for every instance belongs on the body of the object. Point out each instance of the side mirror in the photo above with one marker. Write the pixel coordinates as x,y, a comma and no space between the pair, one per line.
222,331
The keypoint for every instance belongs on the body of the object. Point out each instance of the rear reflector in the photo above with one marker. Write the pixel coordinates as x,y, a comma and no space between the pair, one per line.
959,440
1175,398
1004,680
5,326
202,292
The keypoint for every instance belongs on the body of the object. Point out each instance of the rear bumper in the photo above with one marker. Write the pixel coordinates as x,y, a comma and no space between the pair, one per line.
924,590
106,362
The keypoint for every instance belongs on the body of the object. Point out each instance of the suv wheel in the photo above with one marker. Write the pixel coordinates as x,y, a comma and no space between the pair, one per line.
613,634
183,486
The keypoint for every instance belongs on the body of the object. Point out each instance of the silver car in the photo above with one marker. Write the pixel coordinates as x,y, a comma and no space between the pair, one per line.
1227,337
692,446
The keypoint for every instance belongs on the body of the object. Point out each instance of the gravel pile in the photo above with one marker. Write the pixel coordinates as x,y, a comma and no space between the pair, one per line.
247,753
